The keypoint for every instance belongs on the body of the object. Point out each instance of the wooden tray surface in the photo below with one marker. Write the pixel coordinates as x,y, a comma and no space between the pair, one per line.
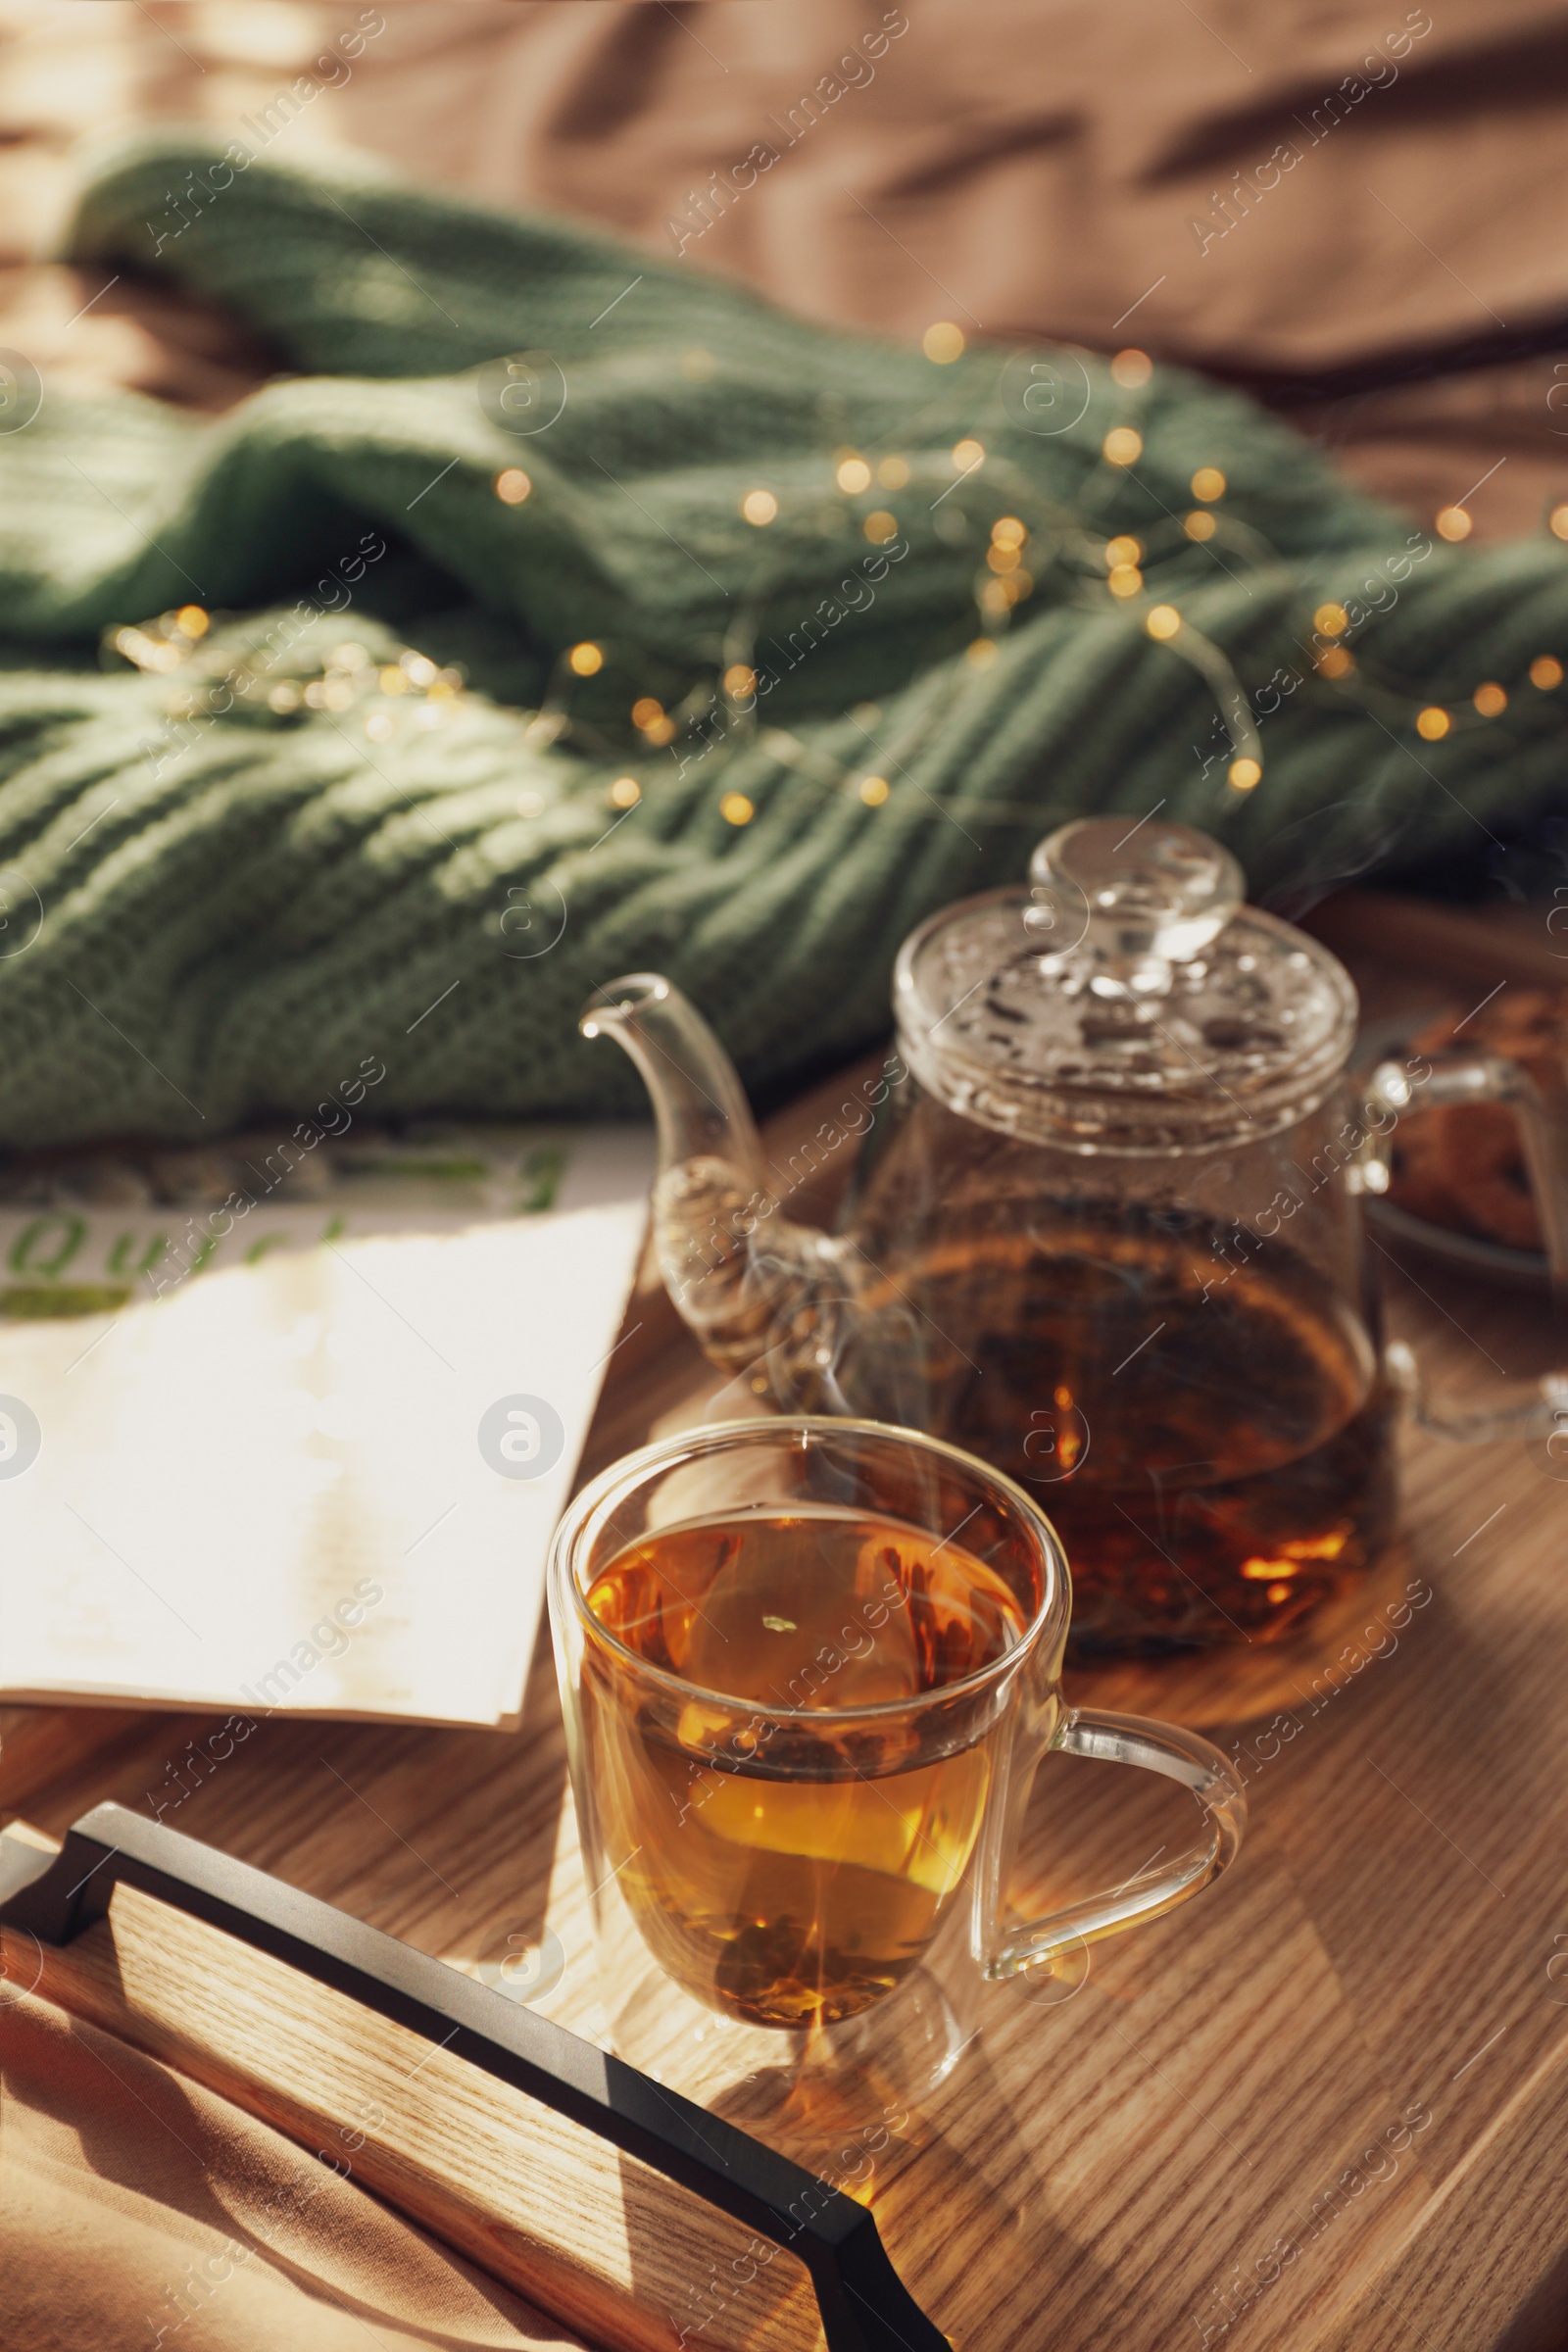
1320,2108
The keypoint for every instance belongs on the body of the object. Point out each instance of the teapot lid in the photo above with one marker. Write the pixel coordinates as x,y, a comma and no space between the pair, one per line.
1126,999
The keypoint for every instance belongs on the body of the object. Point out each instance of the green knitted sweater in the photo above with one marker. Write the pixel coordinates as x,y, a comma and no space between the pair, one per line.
214,908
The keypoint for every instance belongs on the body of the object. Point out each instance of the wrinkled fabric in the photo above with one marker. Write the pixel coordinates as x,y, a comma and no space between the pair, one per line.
212,921
1046,169
138,2210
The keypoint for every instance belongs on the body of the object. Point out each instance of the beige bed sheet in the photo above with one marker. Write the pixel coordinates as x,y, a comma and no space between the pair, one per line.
138,2210
1105,170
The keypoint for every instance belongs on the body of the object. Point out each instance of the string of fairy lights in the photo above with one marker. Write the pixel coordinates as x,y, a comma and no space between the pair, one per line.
1026,535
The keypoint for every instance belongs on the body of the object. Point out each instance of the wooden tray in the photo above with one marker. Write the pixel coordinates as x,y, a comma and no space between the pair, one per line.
1320,2108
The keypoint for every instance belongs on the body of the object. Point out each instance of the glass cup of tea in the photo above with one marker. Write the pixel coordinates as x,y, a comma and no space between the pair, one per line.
809,1668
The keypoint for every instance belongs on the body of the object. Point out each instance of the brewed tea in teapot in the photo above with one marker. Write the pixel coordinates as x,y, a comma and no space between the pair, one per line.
1106,1234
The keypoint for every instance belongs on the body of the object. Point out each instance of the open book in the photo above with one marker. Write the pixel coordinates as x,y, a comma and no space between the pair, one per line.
308,1454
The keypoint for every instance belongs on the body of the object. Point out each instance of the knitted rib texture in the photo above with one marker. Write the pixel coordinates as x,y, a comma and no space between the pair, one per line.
210,919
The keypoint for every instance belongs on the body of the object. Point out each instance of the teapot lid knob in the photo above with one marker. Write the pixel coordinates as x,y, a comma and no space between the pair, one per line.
1127,999
1137,897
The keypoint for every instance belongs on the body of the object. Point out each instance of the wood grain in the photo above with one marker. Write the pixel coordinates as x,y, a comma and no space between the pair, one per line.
1318,2109
38,1743
1461,2276
592,2236
1452,944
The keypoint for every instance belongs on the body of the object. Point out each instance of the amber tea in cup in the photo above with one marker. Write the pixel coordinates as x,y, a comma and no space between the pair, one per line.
792,1896
809,1668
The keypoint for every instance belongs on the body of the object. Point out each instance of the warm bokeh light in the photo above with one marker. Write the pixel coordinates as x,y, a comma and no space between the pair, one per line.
968,454
873,791
1433,724
758,507
1163,622
1130,369
736,809
1490,700
880,526
625,792
1209,483
586,659
1122,446
1332,619
1245,774
1453,523
942,342
1546,671
512,486
854,475
1199,525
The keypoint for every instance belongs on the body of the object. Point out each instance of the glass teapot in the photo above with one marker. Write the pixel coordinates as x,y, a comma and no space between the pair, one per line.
1105,1230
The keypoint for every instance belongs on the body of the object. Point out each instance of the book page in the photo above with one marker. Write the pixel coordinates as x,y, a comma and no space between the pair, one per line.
313,1461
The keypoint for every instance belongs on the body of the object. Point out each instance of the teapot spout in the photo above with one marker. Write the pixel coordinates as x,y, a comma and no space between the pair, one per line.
746,1280
698,1101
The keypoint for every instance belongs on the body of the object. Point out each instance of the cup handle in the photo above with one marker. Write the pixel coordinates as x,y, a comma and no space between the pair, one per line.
1181,1755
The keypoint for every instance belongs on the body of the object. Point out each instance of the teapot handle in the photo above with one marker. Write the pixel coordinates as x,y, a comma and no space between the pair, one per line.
1181,1755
